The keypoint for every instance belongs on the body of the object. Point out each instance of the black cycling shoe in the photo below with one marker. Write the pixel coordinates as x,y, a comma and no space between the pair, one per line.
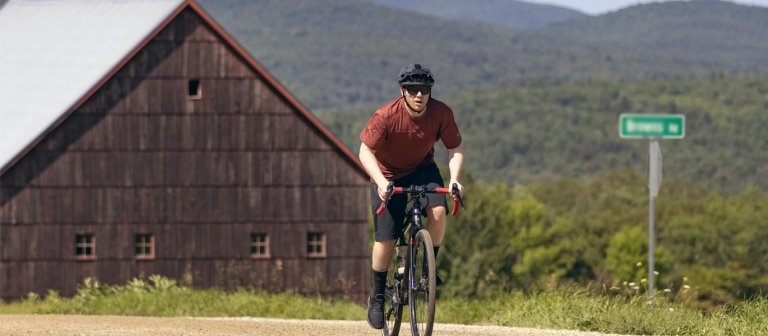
376,311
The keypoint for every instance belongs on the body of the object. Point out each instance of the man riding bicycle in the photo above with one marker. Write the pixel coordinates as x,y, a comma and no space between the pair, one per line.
398,145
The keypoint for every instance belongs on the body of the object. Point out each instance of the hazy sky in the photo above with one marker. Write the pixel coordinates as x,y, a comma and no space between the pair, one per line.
601,6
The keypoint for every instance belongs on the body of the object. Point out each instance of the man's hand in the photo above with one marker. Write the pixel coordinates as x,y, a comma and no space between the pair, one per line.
382,189
461,187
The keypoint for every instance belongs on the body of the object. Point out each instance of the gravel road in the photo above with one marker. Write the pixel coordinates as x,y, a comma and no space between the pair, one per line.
82,325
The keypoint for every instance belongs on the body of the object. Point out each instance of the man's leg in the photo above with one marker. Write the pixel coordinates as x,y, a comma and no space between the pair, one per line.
380,258
436,218
385,233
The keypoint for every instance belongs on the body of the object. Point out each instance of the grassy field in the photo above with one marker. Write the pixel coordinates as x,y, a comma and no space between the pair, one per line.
571,309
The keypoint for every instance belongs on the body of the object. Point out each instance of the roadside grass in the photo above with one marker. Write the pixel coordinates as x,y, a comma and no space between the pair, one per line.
606,314
163,297
564,309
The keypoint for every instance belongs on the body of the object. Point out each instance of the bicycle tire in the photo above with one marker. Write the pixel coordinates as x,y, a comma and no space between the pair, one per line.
422,290
393,311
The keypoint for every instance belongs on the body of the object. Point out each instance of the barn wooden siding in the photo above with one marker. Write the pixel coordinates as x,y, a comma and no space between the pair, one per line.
142,156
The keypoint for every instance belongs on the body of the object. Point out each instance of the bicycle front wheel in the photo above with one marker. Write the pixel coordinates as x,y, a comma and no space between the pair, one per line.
422,287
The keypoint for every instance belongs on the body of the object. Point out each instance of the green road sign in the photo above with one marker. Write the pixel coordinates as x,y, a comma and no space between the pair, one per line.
662,126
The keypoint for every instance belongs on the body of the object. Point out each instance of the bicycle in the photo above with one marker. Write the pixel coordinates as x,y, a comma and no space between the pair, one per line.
412,276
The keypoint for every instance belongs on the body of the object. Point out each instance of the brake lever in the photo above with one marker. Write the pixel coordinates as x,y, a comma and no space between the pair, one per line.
390,190
458,203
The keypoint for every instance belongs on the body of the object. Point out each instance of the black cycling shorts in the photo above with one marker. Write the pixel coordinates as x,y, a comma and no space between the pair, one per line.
390,224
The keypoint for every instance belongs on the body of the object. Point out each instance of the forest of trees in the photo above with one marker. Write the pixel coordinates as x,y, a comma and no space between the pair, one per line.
593,232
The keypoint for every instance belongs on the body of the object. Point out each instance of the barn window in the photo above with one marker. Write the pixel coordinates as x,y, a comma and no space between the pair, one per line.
195,90
316,245
259,245
85,246
145,246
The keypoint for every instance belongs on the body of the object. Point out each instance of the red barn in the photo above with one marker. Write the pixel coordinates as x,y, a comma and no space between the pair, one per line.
138,138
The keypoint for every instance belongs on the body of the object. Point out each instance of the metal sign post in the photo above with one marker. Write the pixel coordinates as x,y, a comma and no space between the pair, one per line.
652,127
654,183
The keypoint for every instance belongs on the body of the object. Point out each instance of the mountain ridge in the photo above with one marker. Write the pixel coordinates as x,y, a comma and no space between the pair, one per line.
508,13
337,53
714,26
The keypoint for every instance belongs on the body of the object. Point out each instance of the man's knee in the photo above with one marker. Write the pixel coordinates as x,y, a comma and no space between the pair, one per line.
438,212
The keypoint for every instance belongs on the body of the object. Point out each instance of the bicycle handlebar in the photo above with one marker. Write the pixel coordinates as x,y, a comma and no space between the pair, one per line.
458,204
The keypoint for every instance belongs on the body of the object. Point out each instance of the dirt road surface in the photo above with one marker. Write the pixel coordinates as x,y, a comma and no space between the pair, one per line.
80,325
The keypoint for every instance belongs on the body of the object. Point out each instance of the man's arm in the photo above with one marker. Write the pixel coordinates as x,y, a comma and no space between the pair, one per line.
455,160
371,165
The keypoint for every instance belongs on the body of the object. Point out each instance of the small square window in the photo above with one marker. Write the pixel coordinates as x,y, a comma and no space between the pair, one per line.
316,245
259,245
144,247
195,89
85,246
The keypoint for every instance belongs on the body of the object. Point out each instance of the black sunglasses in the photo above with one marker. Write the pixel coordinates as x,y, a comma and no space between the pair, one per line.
415,89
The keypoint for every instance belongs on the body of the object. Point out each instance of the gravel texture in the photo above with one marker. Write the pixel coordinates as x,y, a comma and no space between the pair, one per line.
90,325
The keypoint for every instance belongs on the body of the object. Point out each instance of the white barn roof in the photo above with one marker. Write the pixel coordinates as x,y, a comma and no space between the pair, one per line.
53,52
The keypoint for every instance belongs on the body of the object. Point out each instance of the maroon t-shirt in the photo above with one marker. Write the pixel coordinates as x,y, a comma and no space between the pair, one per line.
403,143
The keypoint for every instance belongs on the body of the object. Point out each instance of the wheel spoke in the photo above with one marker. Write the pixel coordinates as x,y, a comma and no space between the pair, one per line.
422,285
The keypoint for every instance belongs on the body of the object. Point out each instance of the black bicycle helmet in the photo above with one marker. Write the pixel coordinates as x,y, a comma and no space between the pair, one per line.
415,74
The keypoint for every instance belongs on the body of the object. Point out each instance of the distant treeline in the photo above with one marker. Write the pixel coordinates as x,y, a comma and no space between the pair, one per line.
710,249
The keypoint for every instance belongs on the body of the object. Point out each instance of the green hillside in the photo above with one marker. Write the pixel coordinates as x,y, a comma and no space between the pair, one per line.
525,133
338,52
334,53
723,31
508,13
522,133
